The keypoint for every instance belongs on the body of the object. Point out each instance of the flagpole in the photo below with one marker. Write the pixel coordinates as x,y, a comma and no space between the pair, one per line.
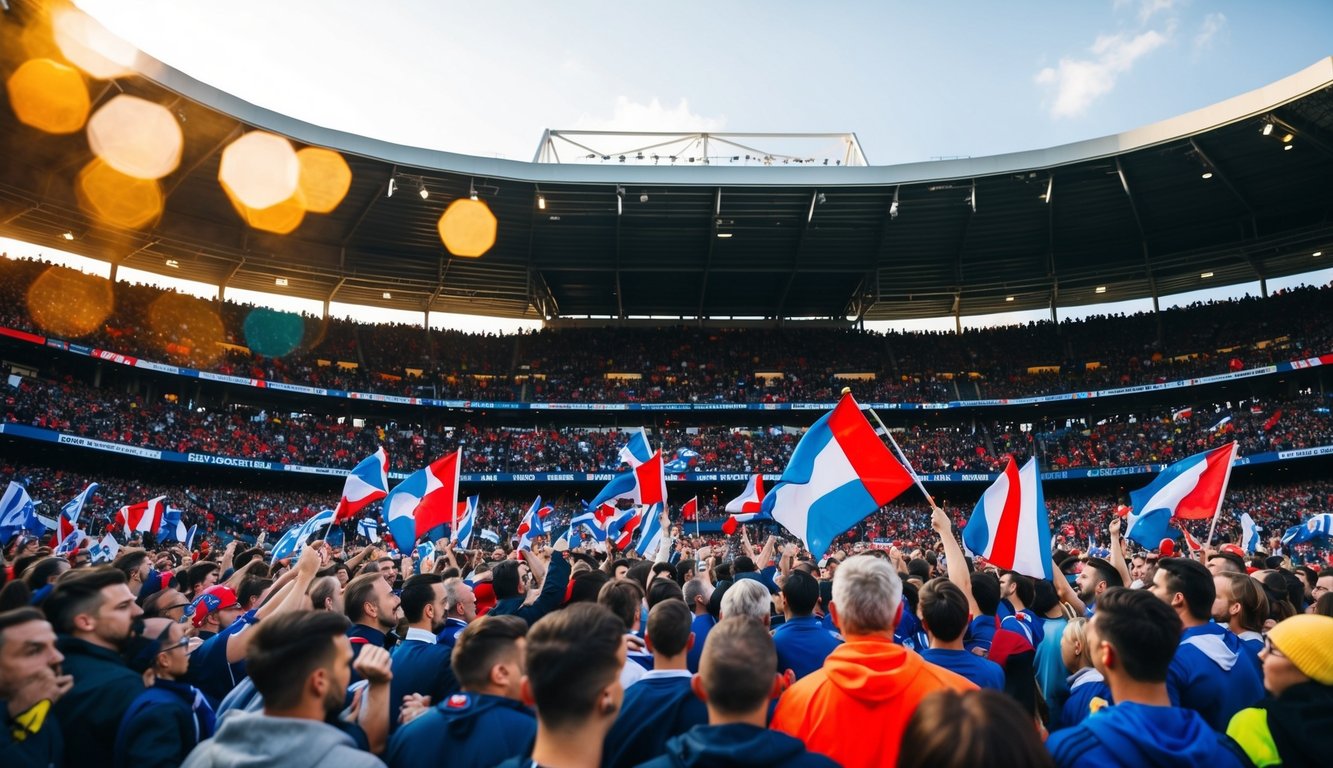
1226,481
903,456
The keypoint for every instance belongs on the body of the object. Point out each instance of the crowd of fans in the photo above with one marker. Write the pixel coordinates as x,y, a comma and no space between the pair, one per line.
689,364
1155,436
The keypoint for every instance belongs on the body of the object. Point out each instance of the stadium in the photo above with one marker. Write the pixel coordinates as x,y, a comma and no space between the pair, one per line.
720,291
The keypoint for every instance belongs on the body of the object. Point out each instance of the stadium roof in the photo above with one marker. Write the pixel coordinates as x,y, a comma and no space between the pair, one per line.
1119,217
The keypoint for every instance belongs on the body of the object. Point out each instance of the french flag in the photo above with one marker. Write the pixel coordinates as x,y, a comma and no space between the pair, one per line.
144,517
745,507
1010,526
368,481
467,517
424,499
532,526
1190,489
839,473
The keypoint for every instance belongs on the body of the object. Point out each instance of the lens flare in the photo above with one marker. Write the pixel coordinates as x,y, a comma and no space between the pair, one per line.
325,179
69,304
260,169
117,199
91,47
136,137
49,96
187,329
468,228
272,333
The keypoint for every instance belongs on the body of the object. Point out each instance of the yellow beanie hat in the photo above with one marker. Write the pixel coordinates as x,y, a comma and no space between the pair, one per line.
1307,639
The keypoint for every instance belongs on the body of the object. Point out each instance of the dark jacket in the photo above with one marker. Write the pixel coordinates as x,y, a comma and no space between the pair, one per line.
655,709
736,746
466,730
420,667
162,725
37,750
1294,729
103,690
551,598
1131,735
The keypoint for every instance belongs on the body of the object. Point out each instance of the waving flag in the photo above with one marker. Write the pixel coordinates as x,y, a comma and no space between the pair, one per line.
1191,542
467,517
621,526
172,528
637,450
369,528
684,461
839,473
189,537
425,499
73,509
621,488
650,480
746,507
650,534
1010,526
1249,533
1318,526
591,522
295,537
70,542
425,549
690,509
144,517
105,550
531,526
1190,489
17,511
368,481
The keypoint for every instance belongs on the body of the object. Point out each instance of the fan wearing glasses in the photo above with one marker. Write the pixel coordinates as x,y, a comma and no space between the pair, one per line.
170,717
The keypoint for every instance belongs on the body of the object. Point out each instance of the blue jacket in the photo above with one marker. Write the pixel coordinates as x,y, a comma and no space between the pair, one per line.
654,709
1050,667
1212,675
90,712
1130,735
162,725
736,746
701,625
803,644
980,633
984,672
420,667
551,597
1085,687
466,730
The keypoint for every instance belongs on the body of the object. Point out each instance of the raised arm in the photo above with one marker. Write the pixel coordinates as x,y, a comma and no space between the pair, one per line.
1118,553
953,556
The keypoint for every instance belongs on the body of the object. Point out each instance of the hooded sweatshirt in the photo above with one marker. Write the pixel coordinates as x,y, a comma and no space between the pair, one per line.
248,740
1296,728
1131,735
736,746
854,708
1211,675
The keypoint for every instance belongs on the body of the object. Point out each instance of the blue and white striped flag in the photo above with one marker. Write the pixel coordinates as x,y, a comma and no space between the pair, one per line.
466,521
291,542
17,513
650,531
368,527
425,549
1249,533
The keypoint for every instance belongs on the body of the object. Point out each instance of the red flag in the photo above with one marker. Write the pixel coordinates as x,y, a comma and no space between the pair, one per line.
440,503
690,510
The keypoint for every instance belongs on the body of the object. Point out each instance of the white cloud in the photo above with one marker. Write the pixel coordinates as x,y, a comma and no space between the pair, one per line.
1150,8
1080,82
1213,25
633,116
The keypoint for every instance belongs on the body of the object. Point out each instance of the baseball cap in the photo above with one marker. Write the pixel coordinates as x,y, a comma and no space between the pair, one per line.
213,599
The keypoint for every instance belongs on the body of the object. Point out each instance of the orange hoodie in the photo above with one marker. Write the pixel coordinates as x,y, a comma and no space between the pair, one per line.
856,707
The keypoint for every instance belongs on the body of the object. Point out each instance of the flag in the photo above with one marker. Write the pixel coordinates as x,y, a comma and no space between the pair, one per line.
1272,421
621,488
467,517
1190,489
335,537
425,499
571,537
1182,414
531,526
1318,526
1249,533
1190,541
368,481
70,542
592,523
17,511
690,509
637,450
105,550
650,533
368,527
489,535
746,507
291,542
684,460
189,537
172,528
144,517
1010,526
70,512
650,481
839,473
425,549
621,526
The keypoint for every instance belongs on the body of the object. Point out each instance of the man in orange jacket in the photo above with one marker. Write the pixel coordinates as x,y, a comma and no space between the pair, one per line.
855,708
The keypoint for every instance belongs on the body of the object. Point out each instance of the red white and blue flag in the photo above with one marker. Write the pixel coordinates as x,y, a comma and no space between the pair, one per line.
425,499
1010,526
368,481
144,517
747,506
532,525
1190,489
68,519
637,450
467,518
620,527
840,473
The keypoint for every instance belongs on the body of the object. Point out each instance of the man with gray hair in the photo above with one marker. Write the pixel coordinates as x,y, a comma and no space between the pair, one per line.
855,708
749,598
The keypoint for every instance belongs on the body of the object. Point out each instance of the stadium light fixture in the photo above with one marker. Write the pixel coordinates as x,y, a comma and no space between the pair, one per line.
541,202
421,190
724,235
1288,137
1317,254
472,190
1268,128
1008,298
1100,289
1288,146
393,184
280,281
1207,174
1050,189
173,264
68,235
1205,275
387,295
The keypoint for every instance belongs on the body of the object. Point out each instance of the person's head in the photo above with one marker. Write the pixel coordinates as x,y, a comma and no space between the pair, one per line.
747,597
1074,649
134,564
1323,584
1016,588
422,599
1133,634
1138,568
685,570
661,589
800,593
301,662
737,668
1096,577
743,564
27,645
169,603
507,580
1298,650
200,577
696,594
163,649
1240,602
326,594
1186,586
986,592
369,600
488,656
952,729
668,632
388,568
1225,562
623,598
584,586
45,571
620,569
1324,605
94,605
460,602
1044,599
216,608
942,607
867,596
573,661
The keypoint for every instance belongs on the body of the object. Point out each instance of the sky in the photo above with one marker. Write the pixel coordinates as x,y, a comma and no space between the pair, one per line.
913,80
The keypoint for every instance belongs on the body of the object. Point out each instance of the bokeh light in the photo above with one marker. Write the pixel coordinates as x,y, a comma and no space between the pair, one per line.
325,179
49,96
91,47
117,199
468,228
280,219
136,137
69,304
260,169
271,333
187,329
